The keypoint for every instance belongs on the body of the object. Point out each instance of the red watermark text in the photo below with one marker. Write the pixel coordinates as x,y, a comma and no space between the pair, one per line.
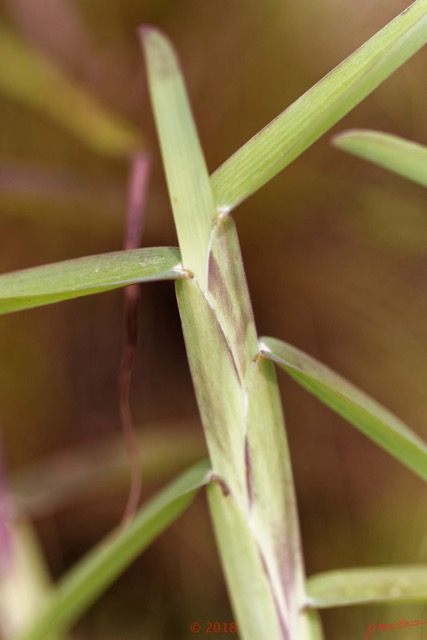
401,624
213,627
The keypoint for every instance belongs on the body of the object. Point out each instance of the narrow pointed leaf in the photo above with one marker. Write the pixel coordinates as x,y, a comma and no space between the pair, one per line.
95,573
369,585
84,276
358,408
28,76
267,585
185,167
406,158
301,124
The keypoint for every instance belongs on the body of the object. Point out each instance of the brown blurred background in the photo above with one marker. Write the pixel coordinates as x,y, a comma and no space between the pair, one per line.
336,260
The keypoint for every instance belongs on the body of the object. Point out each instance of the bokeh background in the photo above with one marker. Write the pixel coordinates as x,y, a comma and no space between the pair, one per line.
336,260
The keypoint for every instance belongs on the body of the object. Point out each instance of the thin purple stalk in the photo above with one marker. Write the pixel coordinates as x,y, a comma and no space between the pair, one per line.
138,186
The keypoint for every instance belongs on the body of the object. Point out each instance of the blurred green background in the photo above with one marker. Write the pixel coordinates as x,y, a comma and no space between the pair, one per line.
336,260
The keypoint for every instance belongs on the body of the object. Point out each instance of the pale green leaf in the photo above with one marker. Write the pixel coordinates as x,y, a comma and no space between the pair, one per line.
248,583
249,579
217,386
406,158
253,518
84,276
241,413
227,294
185,167
301,124
310,625
273,511
368,585
28,76
359,409
97,571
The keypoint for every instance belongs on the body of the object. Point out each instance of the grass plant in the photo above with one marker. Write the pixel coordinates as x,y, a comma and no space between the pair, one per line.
249,474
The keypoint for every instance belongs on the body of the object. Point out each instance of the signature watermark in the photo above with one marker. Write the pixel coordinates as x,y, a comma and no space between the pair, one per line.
401,624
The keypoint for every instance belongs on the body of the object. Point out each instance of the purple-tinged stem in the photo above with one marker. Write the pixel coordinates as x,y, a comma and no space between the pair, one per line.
138,186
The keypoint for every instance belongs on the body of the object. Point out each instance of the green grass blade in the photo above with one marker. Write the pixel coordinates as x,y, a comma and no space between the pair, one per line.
95,573
246,577
227,293
370,585
222,406
359,409
405,158
272,507
84,276
240,407
301,124
28,76
217,386
186,171
313,625
253,515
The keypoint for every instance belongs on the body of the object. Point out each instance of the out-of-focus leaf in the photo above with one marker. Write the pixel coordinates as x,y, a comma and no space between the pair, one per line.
359,409
186,172
24,582
84,276
97,571
54,196
102,469
369,585
28,76
406,158
301,124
